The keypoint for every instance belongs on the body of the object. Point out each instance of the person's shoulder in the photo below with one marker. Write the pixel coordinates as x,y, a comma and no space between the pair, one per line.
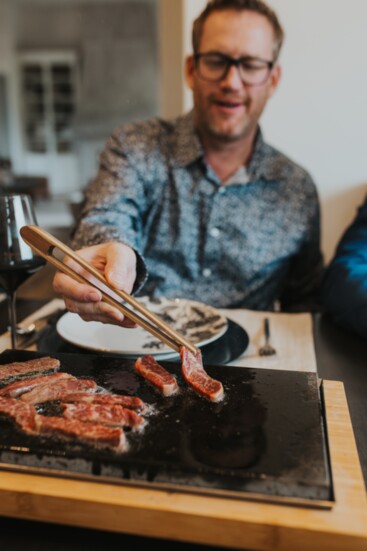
284,164
146,144
295,177
146,131
362,209
357,229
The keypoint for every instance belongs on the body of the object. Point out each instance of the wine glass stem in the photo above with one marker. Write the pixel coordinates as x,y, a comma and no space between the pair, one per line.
12,319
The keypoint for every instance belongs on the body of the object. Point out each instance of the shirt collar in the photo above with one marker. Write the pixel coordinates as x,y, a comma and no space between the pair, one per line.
188,149
261,165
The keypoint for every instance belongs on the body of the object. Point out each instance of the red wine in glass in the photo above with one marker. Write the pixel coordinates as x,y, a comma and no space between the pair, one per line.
17,260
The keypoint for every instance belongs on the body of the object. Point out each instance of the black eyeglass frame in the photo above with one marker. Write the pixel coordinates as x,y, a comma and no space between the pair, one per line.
236,62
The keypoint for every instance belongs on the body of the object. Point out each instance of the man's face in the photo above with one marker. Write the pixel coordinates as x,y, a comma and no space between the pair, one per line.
228,110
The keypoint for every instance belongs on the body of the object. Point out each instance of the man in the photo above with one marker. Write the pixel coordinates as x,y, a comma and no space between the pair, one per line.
213,212
345,286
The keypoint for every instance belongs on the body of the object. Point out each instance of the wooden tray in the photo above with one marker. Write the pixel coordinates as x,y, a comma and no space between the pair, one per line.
208,520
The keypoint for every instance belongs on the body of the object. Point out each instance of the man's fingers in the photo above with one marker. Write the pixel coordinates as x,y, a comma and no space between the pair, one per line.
98,311
68,287
86,301
117,262
120,267
110,320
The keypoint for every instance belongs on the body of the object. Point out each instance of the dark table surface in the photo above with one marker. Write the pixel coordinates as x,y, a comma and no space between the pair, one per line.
340,356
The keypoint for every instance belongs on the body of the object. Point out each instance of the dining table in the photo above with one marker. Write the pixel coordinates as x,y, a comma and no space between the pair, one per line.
338,355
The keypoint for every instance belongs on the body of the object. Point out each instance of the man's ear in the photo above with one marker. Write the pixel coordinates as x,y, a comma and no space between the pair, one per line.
189,71
275,76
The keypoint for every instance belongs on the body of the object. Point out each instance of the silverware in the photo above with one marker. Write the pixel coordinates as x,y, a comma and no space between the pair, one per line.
41,326
267,349
24,330
33,338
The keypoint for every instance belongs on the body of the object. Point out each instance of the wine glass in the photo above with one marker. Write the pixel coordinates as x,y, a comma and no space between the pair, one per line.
17,260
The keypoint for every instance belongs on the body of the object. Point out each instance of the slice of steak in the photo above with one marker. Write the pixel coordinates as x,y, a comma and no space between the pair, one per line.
14,390
17,369
23,414
105,414
131,402
53,391
98,435
196,376
162,379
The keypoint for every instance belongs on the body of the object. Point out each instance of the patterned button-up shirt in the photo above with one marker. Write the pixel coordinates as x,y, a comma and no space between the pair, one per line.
252,242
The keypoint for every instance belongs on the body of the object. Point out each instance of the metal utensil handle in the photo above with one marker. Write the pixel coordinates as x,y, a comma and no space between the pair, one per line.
267,328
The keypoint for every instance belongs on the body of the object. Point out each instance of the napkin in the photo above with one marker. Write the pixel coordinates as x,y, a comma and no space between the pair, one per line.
291,336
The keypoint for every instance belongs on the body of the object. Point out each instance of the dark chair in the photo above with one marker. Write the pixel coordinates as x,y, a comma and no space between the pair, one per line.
35,186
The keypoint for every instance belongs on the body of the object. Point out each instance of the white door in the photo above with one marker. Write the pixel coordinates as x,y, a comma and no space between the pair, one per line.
48,92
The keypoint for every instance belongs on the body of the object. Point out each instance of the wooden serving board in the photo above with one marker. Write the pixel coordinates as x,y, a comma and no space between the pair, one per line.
210,520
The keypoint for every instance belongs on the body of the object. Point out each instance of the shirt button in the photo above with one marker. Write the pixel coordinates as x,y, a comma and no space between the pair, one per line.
214,232
222,190
207,272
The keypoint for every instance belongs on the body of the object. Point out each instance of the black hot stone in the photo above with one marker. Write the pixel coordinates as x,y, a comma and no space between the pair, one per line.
265,438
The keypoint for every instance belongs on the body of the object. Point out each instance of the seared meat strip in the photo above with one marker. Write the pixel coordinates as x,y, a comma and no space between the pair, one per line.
23,414
151,370
16,369
100,436
14,390
105,414
46,392
131,402
196,376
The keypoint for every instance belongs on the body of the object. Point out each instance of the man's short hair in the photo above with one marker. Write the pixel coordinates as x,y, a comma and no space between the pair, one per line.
249,5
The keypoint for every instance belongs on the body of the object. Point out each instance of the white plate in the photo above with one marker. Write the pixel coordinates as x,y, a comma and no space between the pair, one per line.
199,323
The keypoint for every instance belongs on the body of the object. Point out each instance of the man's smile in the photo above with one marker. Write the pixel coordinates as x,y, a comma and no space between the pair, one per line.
230,106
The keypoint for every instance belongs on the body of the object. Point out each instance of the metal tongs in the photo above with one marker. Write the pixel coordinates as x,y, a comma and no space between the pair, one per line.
44,244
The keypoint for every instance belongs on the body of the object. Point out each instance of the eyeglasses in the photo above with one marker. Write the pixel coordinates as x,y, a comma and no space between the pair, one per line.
214,67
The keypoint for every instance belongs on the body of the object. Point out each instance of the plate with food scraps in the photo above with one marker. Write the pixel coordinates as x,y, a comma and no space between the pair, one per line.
199,323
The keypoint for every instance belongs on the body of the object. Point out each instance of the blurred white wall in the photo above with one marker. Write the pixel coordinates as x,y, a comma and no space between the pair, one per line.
319,114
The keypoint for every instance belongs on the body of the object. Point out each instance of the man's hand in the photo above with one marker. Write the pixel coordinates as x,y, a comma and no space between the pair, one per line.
117,262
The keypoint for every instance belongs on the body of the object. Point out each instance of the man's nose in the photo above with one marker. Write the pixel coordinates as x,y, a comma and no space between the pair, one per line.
233,78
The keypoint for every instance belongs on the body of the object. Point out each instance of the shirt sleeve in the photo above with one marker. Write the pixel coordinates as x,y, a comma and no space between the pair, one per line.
115,203
302,291
344,290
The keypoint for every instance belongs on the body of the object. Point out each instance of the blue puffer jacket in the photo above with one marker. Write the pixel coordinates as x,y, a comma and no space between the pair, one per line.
344,291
